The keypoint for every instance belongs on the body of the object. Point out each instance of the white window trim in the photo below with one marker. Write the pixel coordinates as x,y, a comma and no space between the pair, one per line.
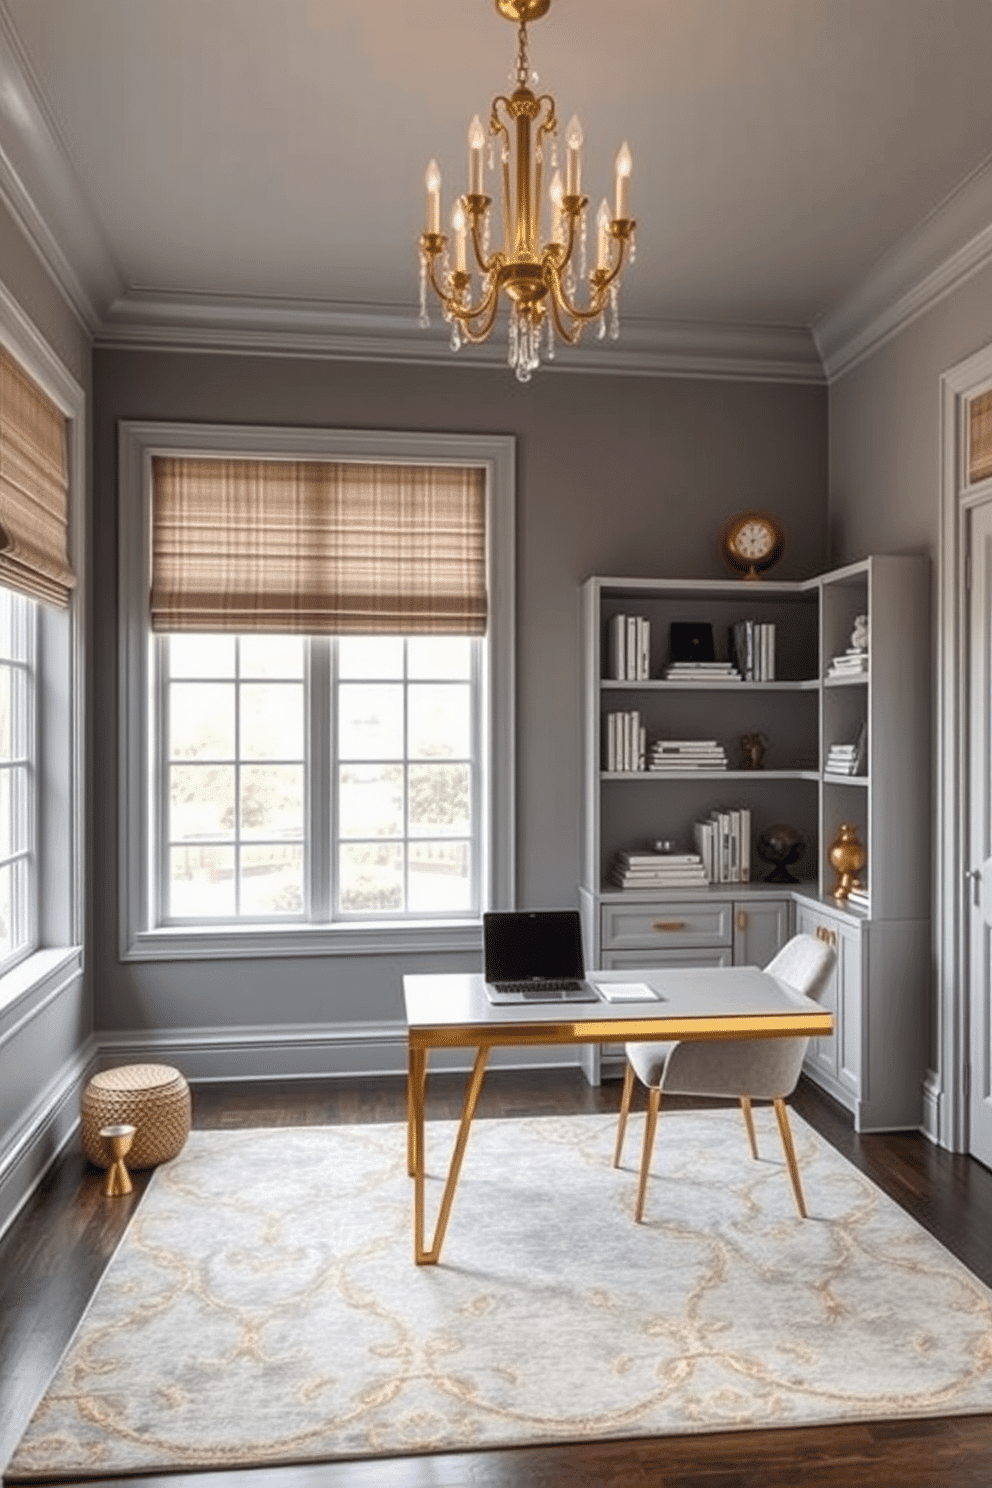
139,443
60,681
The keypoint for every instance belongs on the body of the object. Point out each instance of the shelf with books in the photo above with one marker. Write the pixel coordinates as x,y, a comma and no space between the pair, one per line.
802,730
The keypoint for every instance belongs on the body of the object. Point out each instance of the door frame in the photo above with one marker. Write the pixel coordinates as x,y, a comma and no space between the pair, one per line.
946,1088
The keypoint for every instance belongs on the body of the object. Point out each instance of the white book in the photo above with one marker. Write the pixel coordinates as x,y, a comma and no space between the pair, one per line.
631,648
746,845
643,649
771,654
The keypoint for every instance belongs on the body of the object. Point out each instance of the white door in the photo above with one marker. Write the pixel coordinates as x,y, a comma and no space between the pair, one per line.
979,860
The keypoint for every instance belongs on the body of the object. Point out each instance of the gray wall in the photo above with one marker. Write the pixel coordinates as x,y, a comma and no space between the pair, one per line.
884,452
614,475
44,1034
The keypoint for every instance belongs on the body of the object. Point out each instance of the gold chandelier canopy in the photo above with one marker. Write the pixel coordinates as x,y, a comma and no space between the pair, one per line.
539,279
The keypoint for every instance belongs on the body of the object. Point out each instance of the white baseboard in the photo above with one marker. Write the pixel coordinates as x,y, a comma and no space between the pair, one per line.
309,1051
932,1098
43,1133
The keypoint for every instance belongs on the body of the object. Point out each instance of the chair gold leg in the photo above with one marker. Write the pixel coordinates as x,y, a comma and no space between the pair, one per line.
749,1123
628,1090
790,1155
650,1122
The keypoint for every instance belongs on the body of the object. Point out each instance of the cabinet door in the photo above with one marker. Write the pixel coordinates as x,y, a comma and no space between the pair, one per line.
761,928
822,1057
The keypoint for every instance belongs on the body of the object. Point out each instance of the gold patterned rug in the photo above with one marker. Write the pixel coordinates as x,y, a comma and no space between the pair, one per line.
264,1307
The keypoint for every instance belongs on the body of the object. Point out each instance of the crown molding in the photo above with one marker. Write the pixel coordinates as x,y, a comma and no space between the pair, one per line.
950,245
384,333
39,188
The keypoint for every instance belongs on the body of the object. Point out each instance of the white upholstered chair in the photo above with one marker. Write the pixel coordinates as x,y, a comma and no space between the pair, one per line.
750,1069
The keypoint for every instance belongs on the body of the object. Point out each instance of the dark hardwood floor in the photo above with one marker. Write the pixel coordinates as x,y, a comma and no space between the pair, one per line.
55,1252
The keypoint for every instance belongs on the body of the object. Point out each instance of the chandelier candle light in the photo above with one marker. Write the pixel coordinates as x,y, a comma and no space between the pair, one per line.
539,279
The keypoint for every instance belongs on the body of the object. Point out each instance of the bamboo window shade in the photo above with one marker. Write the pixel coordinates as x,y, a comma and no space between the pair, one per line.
34,489
980,438
317,547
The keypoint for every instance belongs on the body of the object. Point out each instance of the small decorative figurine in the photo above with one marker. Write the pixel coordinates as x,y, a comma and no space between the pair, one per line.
782,846
859,635
847,855
753,747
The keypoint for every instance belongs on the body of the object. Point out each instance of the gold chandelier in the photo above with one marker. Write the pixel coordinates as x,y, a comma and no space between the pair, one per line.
539,279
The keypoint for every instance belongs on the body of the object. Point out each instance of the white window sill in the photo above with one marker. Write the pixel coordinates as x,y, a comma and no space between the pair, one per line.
42,972
236,942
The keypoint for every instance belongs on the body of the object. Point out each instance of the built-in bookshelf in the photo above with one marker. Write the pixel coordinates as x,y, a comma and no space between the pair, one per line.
824,685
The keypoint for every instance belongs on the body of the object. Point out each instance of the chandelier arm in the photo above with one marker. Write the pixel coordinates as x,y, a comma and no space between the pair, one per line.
599,282
490,265
464,314
568,334
490,305
432,259
546,126
496,128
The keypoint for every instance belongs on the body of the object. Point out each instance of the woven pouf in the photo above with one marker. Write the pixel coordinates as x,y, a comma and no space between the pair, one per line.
153,1098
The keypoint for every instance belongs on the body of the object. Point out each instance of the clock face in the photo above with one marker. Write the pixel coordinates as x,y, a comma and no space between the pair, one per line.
754,539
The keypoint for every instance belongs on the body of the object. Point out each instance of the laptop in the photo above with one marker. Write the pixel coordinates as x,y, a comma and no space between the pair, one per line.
535,956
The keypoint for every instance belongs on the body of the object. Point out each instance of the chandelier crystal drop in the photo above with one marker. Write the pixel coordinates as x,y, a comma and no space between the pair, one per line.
539,279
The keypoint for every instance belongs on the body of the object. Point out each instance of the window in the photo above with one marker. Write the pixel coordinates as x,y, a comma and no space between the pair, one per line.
41,664
290,792
18,777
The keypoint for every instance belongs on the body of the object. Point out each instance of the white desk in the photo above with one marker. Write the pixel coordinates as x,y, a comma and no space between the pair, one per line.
444,1012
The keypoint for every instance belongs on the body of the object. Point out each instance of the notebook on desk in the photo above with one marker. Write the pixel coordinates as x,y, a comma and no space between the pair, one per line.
535,956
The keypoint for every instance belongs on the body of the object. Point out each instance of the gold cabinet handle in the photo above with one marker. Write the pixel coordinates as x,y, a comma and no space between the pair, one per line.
668,925
829,937
742,919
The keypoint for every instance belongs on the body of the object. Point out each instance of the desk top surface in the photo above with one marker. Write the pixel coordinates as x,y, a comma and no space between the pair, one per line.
457,1001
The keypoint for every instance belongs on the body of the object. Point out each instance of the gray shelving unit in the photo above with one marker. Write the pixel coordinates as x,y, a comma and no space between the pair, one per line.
874,1063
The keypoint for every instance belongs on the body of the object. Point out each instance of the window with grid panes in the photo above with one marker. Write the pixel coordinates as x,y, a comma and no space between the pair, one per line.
319,779
18,776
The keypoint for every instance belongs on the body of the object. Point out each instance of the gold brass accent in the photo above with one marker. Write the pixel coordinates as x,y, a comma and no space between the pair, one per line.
539,279
118,1140
485,1036
749,1123
751,542
523,11
668,925
785,1133
847,855
742,919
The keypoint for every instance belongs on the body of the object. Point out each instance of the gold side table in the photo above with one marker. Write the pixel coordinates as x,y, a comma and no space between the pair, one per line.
117,1140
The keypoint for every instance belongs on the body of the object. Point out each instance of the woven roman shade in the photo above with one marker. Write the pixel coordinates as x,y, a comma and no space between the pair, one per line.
317,547
980,438
34,489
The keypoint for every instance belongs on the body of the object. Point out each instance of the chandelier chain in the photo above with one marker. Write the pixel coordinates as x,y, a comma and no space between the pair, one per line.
523,61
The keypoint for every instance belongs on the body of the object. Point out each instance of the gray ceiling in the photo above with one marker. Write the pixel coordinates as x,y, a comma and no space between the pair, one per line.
229,153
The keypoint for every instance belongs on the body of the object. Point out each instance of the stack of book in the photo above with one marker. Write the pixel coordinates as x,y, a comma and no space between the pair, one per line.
752,645
701,671
626,742
724,843
858,899
629,648
852,663
644,870
848,759
675,755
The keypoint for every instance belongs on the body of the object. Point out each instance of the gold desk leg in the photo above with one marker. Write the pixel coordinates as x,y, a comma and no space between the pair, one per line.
749,1123
790,1155
416,1086
422,1255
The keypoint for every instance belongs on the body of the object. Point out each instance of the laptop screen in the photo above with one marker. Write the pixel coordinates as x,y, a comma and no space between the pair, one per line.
533,943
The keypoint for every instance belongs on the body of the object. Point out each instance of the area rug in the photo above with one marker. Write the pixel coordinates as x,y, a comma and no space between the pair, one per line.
264,1307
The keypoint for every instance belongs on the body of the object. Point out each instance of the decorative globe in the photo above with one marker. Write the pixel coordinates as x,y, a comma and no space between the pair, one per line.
780,845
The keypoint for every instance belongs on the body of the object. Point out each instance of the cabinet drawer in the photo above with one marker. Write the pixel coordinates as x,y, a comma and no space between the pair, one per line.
652,960
664,926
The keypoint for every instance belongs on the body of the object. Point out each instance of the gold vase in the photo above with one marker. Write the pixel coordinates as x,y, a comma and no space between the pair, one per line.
847,855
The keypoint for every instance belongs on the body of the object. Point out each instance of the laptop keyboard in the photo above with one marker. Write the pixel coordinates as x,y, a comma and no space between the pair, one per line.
541,989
